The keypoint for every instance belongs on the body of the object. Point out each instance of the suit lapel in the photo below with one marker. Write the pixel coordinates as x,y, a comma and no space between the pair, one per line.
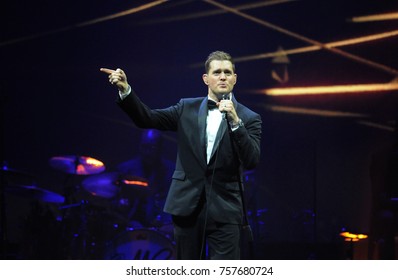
202,130
220,135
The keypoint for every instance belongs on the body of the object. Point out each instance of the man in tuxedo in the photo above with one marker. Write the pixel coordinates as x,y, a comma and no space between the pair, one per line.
217,139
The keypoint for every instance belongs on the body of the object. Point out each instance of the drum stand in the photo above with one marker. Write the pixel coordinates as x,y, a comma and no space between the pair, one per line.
79,238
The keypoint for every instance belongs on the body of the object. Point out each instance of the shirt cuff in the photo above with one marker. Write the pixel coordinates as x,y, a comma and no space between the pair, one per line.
236,126
123,95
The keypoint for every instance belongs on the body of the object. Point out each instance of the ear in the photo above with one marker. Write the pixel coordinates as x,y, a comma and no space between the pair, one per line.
205,79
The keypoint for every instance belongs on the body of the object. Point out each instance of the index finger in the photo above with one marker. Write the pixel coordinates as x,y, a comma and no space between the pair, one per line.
107,71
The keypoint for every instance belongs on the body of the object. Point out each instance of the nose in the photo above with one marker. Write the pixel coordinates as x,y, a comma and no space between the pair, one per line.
223,76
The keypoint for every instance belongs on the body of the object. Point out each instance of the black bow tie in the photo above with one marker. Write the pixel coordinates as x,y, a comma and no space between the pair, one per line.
211,104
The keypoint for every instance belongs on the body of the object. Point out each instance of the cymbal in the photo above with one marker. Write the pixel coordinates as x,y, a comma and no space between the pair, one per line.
35,192
103,185
109,184
79,165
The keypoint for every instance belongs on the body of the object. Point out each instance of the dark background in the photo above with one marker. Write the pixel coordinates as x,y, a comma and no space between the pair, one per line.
313,178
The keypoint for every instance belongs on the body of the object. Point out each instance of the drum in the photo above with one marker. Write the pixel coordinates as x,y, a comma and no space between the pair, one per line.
164,224
141,244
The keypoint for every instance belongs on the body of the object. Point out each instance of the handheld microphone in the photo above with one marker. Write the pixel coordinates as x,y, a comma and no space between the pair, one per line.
225,97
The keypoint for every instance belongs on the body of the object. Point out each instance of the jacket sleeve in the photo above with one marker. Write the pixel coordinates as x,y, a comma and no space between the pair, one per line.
247,141
145,117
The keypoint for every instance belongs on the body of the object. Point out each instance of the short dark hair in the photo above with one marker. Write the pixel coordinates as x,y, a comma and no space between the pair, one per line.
218,55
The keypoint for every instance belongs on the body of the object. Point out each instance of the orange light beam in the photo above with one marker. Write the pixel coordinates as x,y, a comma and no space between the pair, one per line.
376,17
135,182
216,12
337,89
312,112
352,236
86,23
334,44
274,27
377,125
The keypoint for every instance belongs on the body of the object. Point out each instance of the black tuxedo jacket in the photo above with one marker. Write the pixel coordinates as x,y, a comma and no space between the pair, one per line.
192,177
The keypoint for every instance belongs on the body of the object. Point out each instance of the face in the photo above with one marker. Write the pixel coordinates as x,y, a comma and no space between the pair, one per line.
221,78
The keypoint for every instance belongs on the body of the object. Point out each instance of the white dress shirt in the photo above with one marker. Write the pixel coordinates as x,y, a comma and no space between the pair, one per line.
213,122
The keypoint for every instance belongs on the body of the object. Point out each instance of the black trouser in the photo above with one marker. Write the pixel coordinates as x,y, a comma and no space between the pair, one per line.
191,233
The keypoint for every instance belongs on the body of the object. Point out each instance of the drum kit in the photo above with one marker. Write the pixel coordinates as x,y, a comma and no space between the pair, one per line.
96,219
